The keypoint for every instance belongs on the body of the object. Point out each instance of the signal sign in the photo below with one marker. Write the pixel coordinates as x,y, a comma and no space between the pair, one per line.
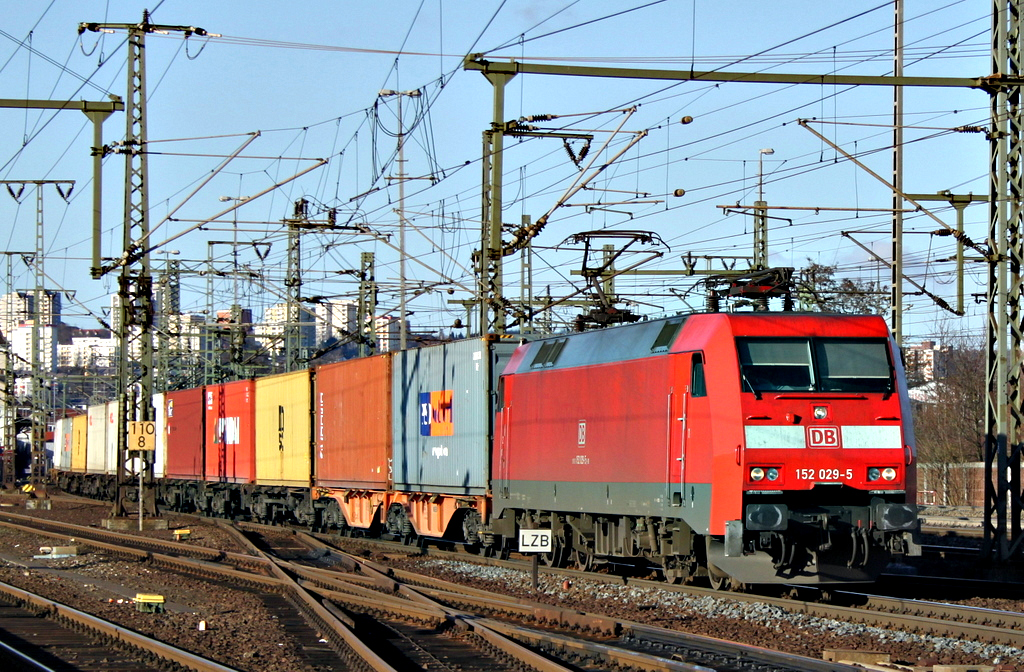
534,541
141,435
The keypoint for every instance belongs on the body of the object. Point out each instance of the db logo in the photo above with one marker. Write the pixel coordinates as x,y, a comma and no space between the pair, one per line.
823,437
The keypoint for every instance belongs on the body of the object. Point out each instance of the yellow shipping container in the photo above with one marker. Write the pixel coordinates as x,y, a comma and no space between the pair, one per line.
284,430
79,436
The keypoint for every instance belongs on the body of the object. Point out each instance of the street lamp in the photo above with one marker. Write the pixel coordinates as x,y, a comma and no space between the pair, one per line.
761,215
385,93
234,245
760,171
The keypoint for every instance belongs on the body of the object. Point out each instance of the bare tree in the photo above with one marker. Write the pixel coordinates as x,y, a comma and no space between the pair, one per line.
819,289
950,426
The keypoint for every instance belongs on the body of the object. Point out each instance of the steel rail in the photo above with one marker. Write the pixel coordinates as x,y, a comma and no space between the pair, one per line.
997,627
158,545
186,565
470,602
331,625
111,631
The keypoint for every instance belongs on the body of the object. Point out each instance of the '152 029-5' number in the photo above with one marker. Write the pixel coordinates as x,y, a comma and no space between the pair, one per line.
824,474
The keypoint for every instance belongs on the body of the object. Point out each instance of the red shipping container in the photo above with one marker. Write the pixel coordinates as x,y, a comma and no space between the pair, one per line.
184,421
352,405
231,432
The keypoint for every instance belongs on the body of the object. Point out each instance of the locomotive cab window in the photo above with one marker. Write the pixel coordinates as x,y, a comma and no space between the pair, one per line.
853,365
820,365
773,364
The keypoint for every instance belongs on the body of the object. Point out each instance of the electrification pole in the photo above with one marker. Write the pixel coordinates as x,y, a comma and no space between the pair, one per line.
135,292
38,361
367,304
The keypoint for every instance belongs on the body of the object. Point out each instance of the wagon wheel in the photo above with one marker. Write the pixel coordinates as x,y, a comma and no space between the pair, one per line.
399,526
471,534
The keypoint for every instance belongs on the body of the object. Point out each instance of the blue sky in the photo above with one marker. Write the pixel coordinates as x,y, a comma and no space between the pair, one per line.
307,75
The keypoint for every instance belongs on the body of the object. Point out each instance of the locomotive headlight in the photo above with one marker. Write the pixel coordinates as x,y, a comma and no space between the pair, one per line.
889,474
772,473
874,474
757,473
820,412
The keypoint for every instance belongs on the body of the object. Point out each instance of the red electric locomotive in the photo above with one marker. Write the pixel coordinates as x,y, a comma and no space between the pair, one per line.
750,447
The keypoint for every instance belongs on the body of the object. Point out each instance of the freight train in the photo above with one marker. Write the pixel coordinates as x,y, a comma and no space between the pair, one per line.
748,448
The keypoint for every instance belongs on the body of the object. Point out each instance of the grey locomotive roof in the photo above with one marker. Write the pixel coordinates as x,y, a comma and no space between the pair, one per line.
616,344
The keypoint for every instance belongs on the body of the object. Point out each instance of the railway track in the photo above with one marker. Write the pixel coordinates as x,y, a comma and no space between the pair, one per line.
258,580
466,627
913,616
39,634
309,561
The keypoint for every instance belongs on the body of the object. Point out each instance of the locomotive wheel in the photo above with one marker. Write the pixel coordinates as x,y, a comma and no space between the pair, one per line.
581,553
719,580
559,554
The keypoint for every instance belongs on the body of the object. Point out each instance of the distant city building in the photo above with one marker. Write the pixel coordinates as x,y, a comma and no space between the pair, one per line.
245,317
270,333
389,333
90,348
21,345
927,361
334,318
18,308
185,332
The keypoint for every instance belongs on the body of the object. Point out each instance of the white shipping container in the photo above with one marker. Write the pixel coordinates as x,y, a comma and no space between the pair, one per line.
96,440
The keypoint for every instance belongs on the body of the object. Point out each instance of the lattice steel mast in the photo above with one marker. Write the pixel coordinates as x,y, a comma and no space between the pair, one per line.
135,290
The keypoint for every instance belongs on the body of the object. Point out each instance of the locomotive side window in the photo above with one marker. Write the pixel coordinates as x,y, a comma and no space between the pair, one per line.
853,365
773,364
548,353
698,388
666,336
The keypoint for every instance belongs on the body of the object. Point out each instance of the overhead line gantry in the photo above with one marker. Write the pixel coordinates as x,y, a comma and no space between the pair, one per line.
1004,502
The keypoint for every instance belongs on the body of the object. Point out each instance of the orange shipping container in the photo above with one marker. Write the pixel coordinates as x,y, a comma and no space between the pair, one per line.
79,436
352,405
284,430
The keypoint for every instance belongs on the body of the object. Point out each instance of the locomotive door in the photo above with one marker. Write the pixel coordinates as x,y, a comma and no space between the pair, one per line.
501,467
695,430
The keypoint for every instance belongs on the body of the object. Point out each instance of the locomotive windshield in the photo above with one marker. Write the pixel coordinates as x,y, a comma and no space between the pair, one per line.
815,365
